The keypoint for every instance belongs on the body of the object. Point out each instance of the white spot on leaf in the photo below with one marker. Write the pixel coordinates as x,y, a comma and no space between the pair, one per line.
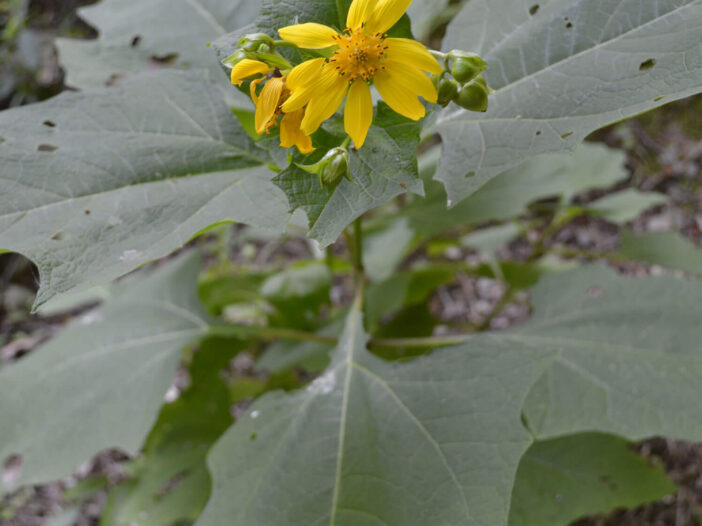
91,317
323,385
129,255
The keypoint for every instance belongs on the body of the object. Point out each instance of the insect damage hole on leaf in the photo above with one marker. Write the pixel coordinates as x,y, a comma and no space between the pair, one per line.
566,135
534,9
49,124
47,148
167,59
647,64
135,41
11,471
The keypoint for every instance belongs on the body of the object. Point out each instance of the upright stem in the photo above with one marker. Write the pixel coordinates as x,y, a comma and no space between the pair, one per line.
358,246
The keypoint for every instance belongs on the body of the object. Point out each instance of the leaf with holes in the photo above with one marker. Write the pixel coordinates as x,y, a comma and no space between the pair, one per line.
436,441
101,382
136,35
94,185
562,69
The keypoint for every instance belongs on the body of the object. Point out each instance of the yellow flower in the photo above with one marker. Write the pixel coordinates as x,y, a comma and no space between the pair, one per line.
362,54
268,104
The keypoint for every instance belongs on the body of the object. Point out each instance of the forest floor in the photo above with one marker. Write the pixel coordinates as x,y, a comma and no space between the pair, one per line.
664,150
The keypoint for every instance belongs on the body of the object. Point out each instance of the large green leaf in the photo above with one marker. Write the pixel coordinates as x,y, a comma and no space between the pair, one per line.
384,168
136,35
567,478
561,69
93,185
367,439
436,441
100,383
629,357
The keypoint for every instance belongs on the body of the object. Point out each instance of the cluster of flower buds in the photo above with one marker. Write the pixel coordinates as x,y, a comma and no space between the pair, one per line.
333,167
467,88
257,46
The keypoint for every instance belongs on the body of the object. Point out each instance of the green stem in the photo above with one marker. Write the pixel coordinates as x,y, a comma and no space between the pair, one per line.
268,334
271,333
358,245
346,142
283,43
438,341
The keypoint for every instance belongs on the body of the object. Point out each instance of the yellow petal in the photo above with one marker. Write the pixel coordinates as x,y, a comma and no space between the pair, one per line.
291,135
404,101
412,53
268,103
248,68
358,114
252,90
305,73
324,104
309,36
359,12
414,80
319,81
386,14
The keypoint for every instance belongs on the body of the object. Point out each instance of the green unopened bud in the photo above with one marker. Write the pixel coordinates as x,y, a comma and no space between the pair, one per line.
466,66
254,41
474,96
448,89
333,167
233,60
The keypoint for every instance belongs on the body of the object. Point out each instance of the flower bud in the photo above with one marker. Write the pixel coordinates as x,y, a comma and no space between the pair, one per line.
448,90
466,66
233,60
333,167
255,42
474,96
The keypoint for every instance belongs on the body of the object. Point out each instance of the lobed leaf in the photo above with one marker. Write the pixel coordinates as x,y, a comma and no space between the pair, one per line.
562,69
138,35
93,185
100,383
436,441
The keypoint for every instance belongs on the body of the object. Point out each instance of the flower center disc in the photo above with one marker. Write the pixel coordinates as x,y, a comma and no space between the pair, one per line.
359,54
